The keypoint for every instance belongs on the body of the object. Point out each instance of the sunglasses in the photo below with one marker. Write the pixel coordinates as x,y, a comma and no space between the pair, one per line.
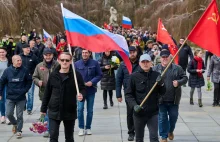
62,60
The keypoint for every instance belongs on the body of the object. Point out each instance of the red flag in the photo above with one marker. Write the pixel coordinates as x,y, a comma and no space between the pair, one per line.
164,37
206,32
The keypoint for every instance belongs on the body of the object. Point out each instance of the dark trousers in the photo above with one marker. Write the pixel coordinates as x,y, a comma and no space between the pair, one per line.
152,124
207,56
105,96
68,130
216,92
130,121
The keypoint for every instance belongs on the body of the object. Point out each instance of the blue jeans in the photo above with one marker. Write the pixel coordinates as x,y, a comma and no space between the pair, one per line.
47,119
90,103
30,100
167,125
3,102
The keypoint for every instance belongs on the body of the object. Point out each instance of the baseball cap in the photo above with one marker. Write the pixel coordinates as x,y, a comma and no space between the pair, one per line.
25,45
145,57
132,48
47,51
165,53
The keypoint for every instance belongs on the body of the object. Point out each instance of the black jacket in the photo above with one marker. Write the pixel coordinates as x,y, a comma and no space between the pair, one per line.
10,49
140,84
40,48
194,80
108,79
184,54
18,82
60,95
30,62
18,49
177,74
123,76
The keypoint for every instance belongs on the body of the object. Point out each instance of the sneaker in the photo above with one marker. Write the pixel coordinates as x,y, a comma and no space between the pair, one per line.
81,132
46,134
8,122
214,104
14,129
29,112
3,120
88,132
131,137
111,103
170,136
18,135
105,107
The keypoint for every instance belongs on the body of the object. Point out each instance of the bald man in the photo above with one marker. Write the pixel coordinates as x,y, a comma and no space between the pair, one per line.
18,81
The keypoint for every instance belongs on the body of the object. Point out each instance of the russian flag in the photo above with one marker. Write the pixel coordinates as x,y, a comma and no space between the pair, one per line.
83,33
46,35
126,22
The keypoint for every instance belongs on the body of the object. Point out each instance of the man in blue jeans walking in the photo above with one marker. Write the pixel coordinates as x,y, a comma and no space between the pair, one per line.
174,78
92,74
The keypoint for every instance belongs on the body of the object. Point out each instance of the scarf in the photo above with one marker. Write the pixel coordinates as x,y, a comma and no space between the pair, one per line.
199,65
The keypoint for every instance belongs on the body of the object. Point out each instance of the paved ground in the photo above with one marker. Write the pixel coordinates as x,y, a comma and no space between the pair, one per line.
194,123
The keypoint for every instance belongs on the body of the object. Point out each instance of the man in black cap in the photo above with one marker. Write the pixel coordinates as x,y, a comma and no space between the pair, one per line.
174,78
30,61
40,47
11,45
122,79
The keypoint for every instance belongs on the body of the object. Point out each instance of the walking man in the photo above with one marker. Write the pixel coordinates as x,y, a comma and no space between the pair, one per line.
60,98
92,74
18,81
174,78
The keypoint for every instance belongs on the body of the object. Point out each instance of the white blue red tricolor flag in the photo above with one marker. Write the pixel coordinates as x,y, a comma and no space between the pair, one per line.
126,23
46,35
83,33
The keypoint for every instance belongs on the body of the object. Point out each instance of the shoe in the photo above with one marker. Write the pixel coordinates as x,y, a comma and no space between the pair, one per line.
131,137
3,120
111,103
88,132
29,112
191,101
214,104
163,140
81,132
14,129
200,102
46,134
170,136
8,122
105,107
18,135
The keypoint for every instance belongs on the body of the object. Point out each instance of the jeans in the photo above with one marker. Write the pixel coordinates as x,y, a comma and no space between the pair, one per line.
130,120
30,100
19,112
152,124
3,102
68,130
48,123
167,125
90,103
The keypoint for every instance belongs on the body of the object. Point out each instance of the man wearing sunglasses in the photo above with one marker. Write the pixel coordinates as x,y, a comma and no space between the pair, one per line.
60,98
92,74
174,78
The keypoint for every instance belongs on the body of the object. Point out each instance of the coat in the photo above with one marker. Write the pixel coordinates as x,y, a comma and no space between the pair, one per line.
29,61
107,81
60,95
42,73
194,80
184,54
214,69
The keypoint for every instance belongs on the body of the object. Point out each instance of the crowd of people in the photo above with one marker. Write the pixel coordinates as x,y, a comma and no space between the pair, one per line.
30,62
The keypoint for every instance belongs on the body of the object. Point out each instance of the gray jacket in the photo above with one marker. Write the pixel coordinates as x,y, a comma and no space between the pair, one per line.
214,69
179,75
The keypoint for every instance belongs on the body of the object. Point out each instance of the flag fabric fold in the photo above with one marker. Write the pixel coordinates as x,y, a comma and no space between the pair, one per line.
126,23
206,32
83,33
164,37
46,35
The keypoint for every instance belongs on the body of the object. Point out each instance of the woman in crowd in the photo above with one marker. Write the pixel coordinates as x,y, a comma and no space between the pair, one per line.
108,79
214,72
196,68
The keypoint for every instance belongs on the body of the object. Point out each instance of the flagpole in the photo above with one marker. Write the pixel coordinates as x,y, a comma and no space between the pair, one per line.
155,84
73,66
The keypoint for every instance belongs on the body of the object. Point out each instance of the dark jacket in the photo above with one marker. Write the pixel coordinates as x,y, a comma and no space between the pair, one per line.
214,69
108,79
140,83
17,80
40,48
30,62
123,76
78,54
60,95
18,49
184,54
194,80
176,73
90,71
11,49
35,50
